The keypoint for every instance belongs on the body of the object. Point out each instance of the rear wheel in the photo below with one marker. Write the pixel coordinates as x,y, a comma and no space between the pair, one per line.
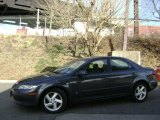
140,92
54,101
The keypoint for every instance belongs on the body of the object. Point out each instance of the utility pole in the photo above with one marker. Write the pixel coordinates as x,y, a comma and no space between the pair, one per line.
136,19
126,25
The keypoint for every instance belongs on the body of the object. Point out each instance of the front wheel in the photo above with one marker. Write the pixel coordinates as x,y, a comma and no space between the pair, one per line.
54,101
140,92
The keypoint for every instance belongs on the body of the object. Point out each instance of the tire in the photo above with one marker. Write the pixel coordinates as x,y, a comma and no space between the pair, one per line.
54,101
139,92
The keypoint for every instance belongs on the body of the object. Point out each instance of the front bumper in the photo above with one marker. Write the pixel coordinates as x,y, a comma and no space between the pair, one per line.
24,97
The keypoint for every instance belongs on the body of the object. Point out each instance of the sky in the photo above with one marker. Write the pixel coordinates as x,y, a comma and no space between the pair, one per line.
145,12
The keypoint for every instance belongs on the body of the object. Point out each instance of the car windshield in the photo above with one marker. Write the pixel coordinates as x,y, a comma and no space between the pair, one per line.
69,67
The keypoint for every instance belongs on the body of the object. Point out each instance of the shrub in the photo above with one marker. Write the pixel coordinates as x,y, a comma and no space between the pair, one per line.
52,57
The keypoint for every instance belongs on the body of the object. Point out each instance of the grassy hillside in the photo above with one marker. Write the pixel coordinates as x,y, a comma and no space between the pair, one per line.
21,56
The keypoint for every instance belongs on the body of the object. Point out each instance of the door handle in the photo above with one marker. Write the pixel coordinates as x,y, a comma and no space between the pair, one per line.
73,82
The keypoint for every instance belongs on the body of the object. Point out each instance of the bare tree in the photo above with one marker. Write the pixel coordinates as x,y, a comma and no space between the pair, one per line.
59,13
96,15
153,6
156,4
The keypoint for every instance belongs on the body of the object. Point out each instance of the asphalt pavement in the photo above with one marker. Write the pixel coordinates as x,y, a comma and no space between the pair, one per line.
113,109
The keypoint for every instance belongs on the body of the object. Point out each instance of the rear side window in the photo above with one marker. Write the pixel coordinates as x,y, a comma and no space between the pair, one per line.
119,65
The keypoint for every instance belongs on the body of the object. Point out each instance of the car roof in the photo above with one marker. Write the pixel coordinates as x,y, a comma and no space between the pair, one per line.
113,57
102,57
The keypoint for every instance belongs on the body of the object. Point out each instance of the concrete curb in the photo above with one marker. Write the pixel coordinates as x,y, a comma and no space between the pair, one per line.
8,81
72,116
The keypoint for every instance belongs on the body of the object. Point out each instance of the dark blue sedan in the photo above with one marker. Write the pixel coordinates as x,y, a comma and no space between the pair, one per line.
85,79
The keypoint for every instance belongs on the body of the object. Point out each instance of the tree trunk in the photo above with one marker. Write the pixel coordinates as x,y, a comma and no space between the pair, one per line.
97,45
50,25
75,47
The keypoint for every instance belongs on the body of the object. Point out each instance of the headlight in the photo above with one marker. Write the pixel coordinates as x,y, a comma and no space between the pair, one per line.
27,87
15,84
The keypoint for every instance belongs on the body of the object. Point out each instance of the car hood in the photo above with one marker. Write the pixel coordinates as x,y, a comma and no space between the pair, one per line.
39,78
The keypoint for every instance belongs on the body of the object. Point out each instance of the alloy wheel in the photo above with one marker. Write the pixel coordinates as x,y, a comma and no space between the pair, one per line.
53,101
140,92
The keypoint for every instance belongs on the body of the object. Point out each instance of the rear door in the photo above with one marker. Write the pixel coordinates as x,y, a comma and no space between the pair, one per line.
121,76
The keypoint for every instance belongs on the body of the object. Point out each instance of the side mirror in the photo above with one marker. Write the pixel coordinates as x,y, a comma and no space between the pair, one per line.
81,73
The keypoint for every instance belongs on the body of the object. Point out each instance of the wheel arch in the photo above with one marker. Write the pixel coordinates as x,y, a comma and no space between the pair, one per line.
55,87
141,81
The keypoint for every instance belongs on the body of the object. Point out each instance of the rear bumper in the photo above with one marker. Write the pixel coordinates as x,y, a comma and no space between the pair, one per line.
153,84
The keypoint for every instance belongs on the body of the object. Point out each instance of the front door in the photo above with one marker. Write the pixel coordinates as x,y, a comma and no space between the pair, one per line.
94,83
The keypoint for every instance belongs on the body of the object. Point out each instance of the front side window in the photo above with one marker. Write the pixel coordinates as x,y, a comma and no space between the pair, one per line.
119,65
98,66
